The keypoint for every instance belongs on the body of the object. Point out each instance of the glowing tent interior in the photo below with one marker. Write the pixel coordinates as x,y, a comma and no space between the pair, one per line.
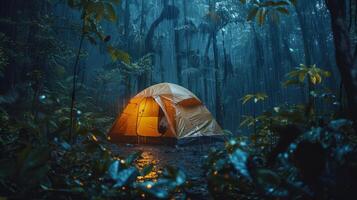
164,113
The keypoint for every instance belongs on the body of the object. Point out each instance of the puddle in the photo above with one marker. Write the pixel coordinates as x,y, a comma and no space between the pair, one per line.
189,159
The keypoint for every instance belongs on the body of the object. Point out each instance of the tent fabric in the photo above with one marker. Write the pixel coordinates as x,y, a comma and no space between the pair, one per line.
186,115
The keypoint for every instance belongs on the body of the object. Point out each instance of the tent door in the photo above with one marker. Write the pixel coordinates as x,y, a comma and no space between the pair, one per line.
149,119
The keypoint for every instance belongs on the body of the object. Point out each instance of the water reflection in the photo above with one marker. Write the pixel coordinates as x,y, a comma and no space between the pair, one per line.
188,158
146,159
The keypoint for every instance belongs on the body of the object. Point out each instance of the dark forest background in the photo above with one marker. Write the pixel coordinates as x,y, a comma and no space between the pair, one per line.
208,47
265,69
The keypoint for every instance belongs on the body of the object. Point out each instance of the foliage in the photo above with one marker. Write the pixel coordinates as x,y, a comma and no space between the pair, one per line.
115,70
260,9
3,61
254,97
141,66
117,54
314,74
36,159
217,19
289,155
239,172
283,115
41,166
93,12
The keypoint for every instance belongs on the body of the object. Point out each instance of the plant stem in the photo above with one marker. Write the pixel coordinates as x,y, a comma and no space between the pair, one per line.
74,83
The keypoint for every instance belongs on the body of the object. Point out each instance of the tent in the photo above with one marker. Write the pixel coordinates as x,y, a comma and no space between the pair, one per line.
164,113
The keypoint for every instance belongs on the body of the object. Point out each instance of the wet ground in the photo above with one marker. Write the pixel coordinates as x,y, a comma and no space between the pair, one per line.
187,158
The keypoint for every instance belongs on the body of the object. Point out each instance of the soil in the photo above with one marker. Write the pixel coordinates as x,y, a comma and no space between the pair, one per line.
187,158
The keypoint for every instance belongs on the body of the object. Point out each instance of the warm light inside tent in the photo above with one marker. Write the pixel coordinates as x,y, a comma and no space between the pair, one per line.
182,113
148,117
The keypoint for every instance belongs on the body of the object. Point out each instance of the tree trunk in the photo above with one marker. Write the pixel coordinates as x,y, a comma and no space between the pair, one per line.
142,27
346,60
218,100
225,61
177,50
304,35
126,24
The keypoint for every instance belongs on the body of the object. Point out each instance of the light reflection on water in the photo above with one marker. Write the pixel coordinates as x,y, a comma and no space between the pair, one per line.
189,158
147,158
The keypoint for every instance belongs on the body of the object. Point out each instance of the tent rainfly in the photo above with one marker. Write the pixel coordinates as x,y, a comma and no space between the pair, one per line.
164,113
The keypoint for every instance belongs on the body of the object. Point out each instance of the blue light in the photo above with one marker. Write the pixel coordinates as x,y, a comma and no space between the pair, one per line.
232,142
271,190
243,143
42,97
286,155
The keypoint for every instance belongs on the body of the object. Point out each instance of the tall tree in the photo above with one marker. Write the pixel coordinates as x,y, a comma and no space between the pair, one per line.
216,25
169,12
127,24
345,57
177,49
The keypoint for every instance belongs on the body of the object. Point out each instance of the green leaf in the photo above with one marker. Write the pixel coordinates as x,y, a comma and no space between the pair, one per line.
177,176
293,74
246,98
239,160
125,176
100,13
302,75
256,97
65,145
95,8
132,157
316,79
248,121
326,73
114,169
117,54
261,96
338,124
146,170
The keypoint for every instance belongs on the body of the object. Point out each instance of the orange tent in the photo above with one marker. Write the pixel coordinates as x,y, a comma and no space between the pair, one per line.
183,112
